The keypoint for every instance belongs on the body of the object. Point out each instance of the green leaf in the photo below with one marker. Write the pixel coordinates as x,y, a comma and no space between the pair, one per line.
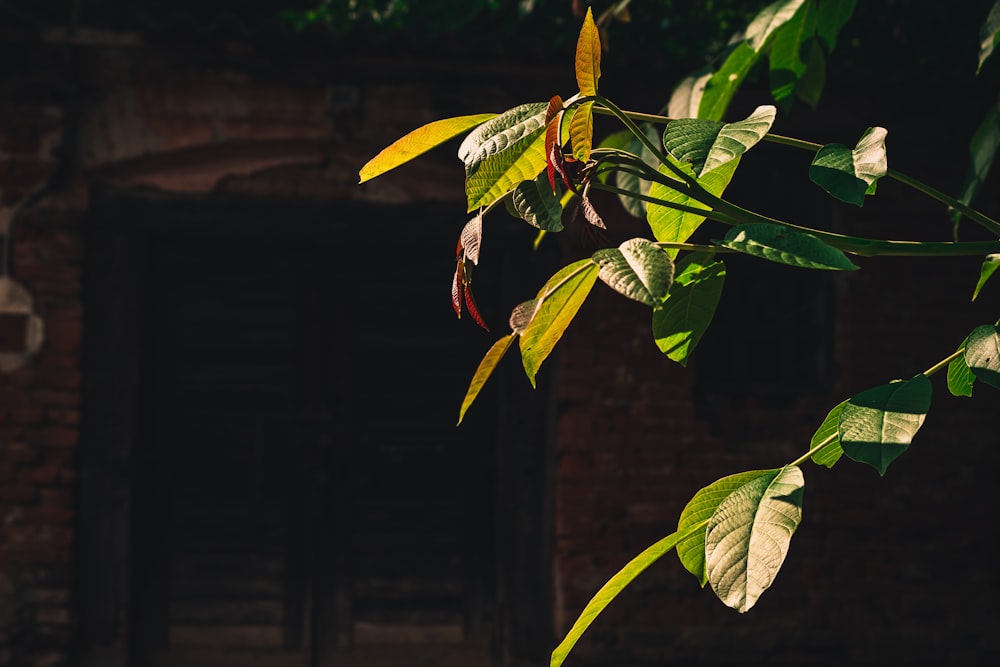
627,142
699,511
828,430
960,377
768,20
877,425
609,591
990,265
588,56
638,269
690,306
581,131
849,174
685,98
747,538
989,34
672,226
833,14
708,144
503,152
982,354
483,372
534,202
812,81
559,300
785,246
418,142
982,150
785,57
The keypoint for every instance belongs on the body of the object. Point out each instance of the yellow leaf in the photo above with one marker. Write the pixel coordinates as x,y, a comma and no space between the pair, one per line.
581,131
486,366
588,56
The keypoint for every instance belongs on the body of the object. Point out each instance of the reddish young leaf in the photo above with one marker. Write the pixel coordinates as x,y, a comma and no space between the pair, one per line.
553,151
456,288
470,303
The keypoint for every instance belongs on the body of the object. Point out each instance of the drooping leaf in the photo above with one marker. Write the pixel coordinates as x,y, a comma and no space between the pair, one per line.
690,306
553,117
990,265
708,144
747,538
699,510
960,377
609,591
418,142
982,149
534,202
590,213
588,56
786,65
559,300
581,131
785,246
638,269
672,226
828,430
502,152
989,35
982,354
471,239
849,174
483,372
833,14
877,425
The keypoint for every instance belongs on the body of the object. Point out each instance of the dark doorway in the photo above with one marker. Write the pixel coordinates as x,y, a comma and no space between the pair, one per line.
297,491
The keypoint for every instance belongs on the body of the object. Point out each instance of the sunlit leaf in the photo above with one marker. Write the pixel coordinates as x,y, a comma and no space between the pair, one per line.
581,131
588,56
785,246
590,213
989,35
768,20
672,226
471,238
686,95
785,62
418,142
877,425
990,265
747,538
638,269
833,14
697,513
982,354
609,591
708,145
483,372
690,306
960,377
559,300
534,202
828,430
849,174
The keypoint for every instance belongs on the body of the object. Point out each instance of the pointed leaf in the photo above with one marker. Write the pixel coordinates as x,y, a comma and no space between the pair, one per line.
638,269
989,35
498,134
877,425
534,202
609,591
581,131
849,174
699,511
690,306
990,265
560,299
418,142
708,144
960,377
785,62
833,14
588,56
471,238
672,226
483,372
785,246
828,430
747,538
982,354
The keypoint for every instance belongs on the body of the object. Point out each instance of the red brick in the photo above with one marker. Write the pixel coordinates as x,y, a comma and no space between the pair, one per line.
57,436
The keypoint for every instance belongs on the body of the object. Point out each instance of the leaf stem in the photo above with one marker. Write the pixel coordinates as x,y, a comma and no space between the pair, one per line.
703,212
826,442
944,362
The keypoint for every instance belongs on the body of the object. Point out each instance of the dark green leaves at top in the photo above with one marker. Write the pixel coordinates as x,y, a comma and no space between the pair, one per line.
418,142
982,354
638,269
989,35
690,306
849,174
588,56
785,246
990,265
877,425
708,144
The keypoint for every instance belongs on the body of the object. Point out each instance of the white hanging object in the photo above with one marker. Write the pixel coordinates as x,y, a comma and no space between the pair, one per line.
21,330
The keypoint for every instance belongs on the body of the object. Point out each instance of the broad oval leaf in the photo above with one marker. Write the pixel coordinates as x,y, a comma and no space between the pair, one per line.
690,306
990,265
669,224
534,202
588,56
638,269
982,354
708,144
418,142
960,377
559,300
847,174
483,372
747,538
697,513
829,433
877,425
785,246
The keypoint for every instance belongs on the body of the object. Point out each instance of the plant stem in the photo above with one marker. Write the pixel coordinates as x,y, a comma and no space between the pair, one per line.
944,362
703,212
829,440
